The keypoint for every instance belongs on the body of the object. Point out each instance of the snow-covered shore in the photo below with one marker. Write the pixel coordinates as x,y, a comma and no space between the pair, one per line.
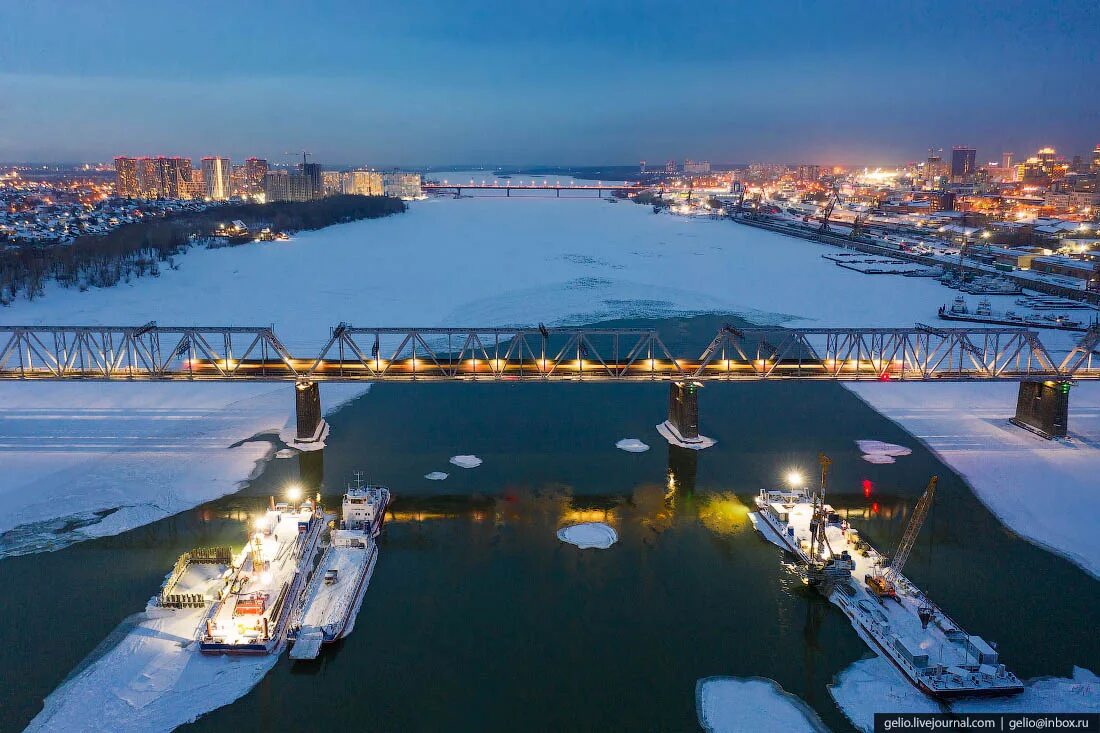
1044,490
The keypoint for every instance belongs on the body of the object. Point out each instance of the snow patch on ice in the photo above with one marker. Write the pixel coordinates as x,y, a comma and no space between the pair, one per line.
632,445
466,461
436,476
750,705
153,679
967,427
873,686
589,535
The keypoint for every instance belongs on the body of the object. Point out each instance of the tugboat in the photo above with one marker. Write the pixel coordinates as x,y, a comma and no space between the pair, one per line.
335,594
894,617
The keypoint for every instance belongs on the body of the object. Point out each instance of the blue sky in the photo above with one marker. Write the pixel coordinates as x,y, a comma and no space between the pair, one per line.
418,82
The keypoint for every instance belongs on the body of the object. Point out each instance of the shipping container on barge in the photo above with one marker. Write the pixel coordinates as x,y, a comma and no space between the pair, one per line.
252,617
335,594
887,610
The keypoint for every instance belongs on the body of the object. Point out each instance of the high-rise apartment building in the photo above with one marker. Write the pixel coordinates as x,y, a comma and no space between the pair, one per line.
809,172
216,178
697,166
313,172
286,186
402,185
364,183
126,177
254,171
1096,159
963,163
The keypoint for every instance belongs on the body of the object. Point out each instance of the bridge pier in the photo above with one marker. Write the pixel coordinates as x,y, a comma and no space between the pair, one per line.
1043,408
307,404
682,426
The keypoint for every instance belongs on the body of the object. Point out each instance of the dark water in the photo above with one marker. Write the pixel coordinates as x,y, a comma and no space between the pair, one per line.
479,619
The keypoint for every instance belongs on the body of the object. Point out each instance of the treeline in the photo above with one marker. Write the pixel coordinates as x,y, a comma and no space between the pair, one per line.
144,248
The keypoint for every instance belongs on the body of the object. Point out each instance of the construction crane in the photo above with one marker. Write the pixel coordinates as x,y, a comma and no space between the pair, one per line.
304,153
883,583
859,226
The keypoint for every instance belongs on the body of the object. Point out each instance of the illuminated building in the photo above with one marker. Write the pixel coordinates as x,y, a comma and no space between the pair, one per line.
1096,159
254,171
126,177
809,172
216,178
333,182
401,185
696,166
670,166
364,183
963,163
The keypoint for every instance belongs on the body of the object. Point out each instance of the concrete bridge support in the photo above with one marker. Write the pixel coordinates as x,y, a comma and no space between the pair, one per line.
1043,408
682,426
683,408
307,403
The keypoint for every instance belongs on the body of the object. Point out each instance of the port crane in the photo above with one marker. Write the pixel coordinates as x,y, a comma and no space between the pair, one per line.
828,212
882,583
819,543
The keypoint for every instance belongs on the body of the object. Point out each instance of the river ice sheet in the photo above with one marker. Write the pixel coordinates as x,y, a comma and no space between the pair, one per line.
482,261
751,705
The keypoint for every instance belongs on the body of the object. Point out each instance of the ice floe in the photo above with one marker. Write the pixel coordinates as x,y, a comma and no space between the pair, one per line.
436,476
877,447
669,432
588,535
873,686
466,461
152,679
749,705
632,445
876,451
286,453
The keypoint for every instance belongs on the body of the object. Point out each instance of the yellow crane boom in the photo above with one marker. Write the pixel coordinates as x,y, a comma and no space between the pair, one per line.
920,513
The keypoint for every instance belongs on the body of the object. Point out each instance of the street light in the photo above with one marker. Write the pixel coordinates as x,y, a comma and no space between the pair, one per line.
294,492
794,478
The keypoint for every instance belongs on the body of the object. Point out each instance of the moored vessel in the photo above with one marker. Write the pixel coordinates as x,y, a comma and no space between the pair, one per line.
891,614
335,593
252,616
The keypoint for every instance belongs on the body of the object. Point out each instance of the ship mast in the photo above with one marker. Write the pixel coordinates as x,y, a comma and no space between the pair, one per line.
818,540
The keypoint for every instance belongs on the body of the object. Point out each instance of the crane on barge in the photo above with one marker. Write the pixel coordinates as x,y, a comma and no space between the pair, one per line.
882,582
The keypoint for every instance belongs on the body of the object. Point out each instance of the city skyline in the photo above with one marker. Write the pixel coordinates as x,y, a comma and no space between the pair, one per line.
501,84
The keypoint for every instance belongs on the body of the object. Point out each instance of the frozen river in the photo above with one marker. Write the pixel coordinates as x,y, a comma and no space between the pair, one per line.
474,578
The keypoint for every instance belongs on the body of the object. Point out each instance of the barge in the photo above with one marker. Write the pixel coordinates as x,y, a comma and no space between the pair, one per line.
252,616
335,594
888,611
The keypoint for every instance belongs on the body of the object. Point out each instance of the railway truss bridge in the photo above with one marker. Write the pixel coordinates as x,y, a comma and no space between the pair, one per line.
923,353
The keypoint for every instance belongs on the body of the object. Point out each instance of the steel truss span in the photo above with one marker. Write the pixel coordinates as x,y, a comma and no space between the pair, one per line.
241,353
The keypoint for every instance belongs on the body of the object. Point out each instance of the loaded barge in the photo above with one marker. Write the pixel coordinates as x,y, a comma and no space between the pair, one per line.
251,616
335,594
891,614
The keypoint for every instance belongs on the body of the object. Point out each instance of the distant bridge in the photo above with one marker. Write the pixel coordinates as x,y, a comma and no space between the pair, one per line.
239,353
557,188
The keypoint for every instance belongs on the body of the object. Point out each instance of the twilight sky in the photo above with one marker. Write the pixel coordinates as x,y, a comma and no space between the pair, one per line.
416,82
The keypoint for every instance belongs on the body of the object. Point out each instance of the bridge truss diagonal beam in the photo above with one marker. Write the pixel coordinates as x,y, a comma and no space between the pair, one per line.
228,353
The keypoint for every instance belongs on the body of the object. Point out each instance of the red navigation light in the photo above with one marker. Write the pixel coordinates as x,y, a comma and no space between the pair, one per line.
874,508
867,487
884,377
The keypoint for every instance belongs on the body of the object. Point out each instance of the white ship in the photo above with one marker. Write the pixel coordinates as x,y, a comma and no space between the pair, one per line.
889,613
335,594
